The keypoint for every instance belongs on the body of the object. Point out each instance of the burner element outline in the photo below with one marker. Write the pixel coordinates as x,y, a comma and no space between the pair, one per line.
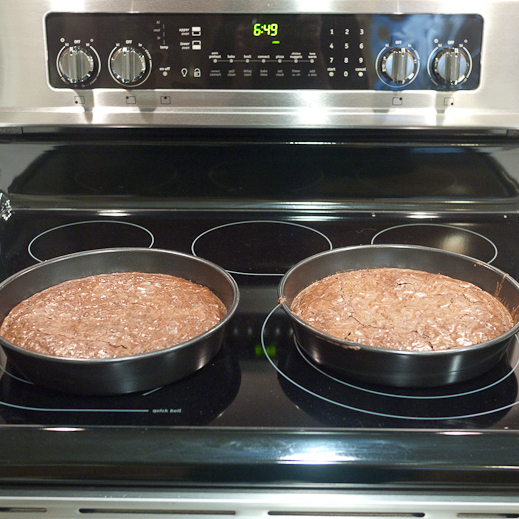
375,413
193,244
67,410
86,222
438,225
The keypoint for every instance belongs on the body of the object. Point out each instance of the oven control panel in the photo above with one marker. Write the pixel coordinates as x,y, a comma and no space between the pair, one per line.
264,51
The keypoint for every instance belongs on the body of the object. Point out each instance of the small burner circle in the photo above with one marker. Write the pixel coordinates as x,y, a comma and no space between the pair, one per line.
447,237
58,241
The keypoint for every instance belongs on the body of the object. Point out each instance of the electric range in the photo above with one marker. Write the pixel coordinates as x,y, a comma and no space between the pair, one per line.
254,137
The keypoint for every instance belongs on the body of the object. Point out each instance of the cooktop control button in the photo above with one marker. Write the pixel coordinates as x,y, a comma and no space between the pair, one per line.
451,66
399,66
76,65
129,65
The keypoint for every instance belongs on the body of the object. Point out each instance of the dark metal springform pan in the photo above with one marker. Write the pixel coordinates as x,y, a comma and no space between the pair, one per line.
123,374
395,367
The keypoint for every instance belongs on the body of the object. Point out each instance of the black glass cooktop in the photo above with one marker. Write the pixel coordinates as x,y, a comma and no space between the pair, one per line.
260,412
260,377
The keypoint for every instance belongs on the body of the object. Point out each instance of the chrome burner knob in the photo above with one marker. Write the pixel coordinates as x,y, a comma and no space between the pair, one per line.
399,65
128,65
451,66
76,65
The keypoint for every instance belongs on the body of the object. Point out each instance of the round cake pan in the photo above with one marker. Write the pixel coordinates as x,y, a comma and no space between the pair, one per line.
397,367
122,374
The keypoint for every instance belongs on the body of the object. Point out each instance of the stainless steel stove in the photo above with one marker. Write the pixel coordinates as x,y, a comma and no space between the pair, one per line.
254,137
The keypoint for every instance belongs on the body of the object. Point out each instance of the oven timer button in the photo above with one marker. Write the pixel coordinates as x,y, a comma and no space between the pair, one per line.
451,66
77,65
129,66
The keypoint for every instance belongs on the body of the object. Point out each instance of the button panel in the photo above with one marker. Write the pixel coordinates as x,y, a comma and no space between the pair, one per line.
264,51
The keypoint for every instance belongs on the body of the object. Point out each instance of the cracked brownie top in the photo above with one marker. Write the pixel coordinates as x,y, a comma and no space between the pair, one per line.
112,315
402,309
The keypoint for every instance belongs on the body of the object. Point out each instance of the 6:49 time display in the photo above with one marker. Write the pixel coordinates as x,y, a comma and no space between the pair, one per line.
265,28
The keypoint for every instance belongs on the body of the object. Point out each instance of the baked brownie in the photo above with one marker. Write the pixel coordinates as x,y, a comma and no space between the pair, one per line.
402,309
112,315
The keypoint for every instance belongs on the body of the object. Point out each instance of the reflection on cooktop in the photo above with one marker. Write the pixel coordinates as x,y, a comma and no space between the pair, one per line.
247,177
195,400
398,171
259,171
114,170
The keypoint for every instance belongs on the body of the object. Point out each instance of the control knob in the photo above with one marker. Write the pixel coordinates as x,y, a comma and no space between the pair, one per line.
76,65
129,65
451,66
399,65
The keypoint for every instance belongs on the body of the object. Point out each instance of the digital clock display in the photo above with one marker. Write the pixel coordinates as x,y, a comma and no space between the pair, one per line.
270,29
